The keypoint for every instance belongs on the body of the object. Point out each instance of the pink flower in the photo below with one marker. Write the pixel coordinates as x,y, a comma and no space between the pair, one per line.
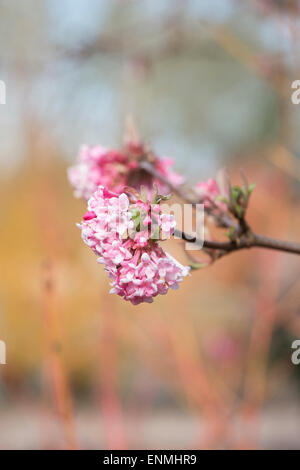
164,166
141,239
137,266
208,188
89,215
168,224
98,166
209,192
115,169
152,274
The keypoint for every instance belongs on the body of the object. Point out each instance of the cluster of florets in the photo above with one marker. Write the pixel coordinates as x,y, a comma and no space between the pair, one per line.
115,169
124,232
124,229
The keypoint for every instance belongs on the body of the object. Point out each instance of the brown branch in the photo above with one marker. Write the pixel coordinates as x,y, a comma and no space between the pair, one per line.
178,190
274,244
251,241
245,237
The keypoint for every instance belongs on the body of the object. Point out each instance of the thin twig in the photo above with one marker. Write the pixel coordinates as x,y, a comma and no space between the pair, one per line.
258,241
223,219
245,237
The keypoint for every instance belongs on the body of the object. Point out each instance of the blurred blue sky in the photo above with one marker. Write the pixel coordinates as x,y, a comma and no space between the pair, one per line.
198,104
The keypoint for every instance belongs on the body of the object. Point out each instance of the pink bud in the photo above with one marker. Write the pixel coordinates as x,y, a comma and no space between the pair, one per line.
89,215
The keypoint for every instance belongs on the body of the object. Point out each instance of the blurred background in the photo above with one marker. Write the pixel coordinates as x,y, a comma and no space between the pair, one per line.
207,82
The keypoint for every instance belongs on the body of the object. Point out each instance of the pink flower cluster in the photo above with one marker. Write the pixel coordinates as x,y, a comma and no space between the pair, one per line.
209,192
125,236
115,169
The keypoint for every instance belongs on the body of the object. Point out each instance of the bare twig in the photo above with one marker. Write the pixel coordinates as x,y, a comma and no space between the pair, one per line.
250,241
223,219
244,236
